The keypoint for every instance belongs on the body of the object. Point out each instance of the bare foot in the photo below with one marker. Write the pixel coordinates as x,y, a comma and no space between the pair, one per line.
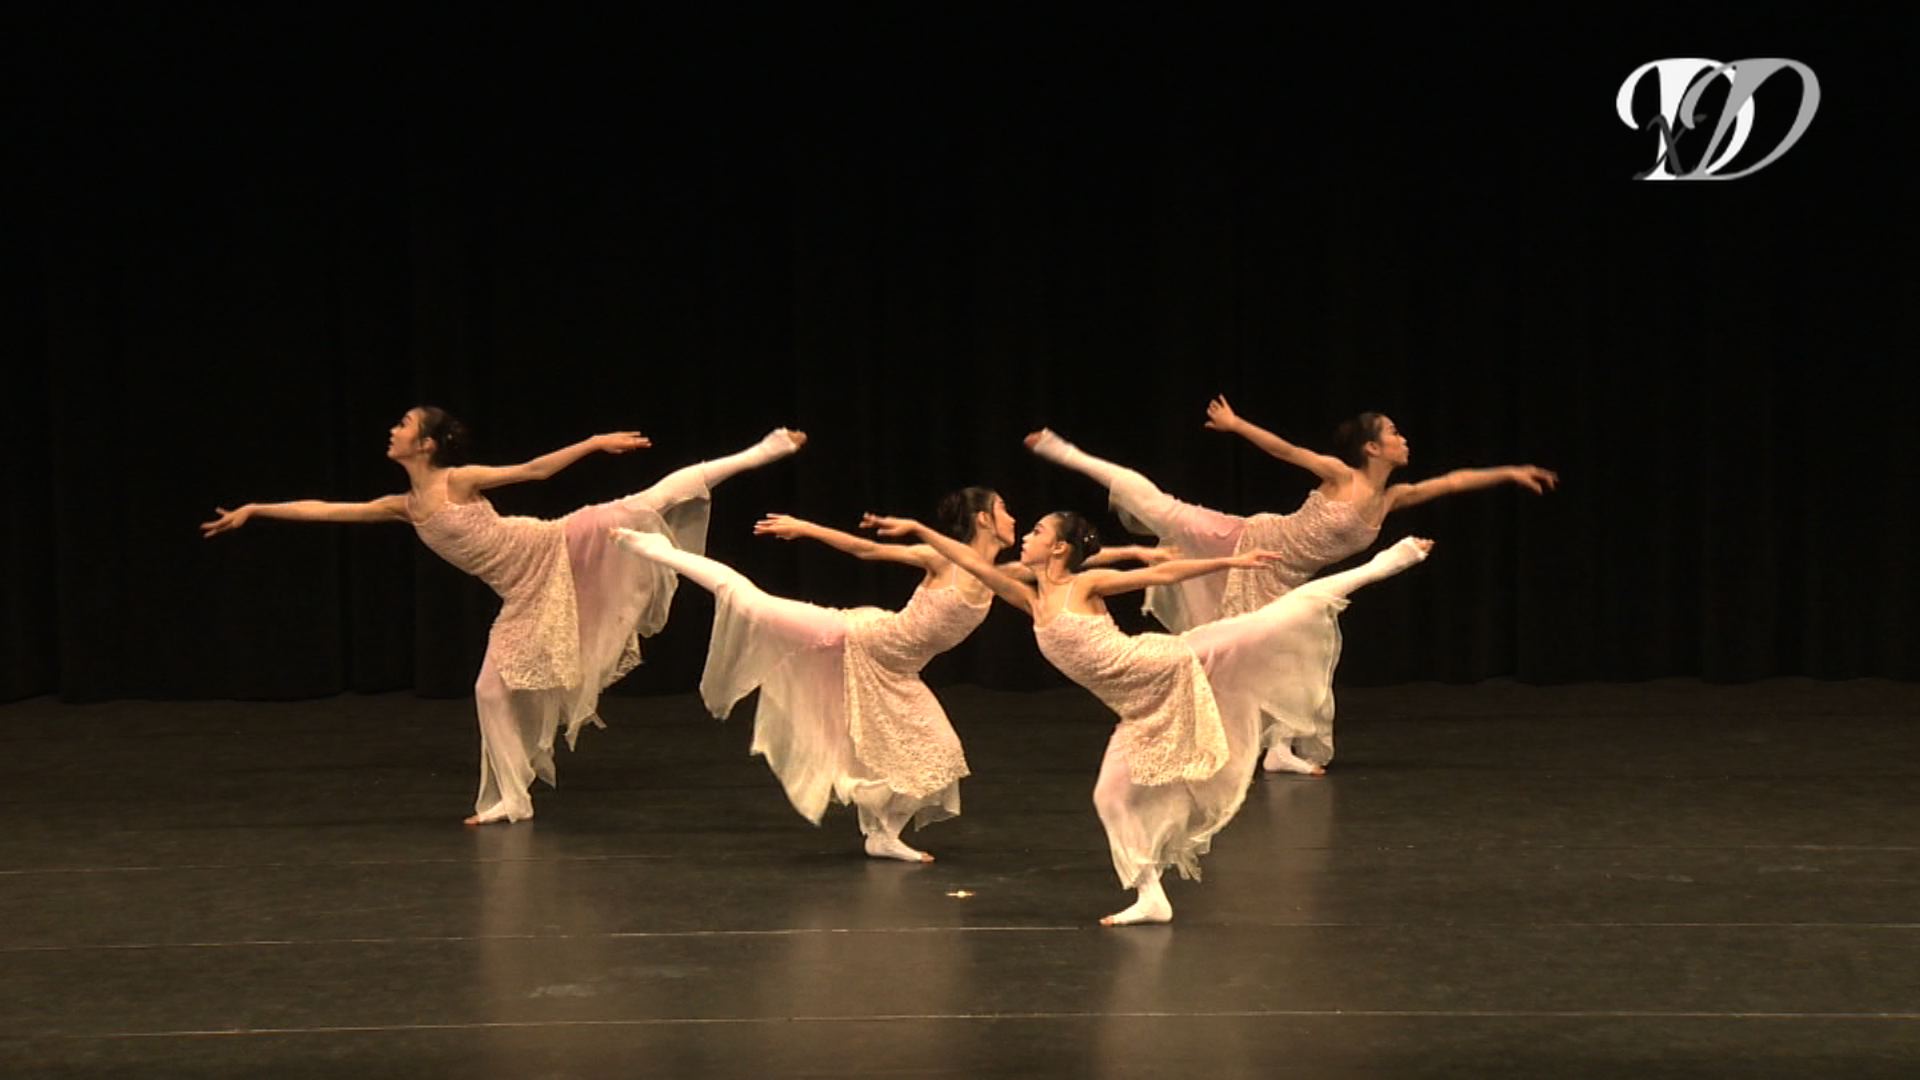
798,438
1410,550
1047,443
892,847
493,815
1152,907
1279,759
643,544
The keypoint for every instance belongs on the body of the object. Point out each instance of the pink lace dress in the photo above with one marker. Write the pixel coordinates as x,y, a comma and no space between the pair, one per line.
842,713
1179,761
1321,532
571,612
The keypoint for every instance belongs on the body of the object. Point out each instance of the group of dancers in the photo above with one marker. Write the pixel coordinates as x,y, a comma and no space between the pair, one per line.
842,713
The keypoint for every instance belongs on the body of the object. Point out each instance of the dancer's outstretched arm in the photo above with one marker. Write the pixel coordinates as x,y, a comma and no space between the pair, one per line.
1532,477
787,527
1221,417
1004,585
1114,582
464,480
385,508
1152,556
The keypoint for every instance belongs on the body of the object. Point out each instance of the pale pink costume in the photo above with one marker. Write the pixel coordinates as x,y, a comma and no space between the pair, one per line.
571,613
843,714
1321,532
1189,705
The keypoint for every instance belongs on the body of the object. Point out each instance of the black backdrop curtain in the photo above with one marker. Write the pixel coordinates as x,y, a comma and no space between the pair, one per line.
255,235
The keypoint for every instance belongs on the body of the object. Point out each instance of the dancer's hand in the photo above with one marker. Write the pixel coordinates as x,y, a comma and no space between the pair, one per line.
784,526
619,442
1220,415
1154,556
889,526
1534,478
226,522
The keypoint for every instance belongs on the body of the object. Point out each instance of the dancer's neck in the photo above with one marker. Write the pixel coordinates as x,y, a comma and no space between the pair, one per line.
422,475
1375,475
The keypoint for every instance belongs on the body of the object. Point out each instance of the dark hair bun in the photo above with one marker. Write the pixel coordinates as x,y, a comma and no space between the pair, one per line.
450,440
957,508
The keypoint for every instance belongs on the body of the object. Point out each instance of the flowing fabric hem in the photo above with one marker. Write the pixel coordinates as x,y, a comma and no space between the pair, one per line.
875,802
800,720
1284,656
1304,713
800,728
620,599
1177,821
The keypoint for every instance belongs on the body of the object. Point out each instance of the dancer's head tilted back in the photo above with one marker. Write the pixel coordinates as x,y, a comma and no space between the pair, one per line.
432,432
1062,536
1371,435
973,511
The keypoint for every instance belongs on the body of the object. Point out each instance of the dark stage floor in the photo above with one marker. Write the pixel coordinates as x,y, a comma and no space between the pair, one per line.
1658,879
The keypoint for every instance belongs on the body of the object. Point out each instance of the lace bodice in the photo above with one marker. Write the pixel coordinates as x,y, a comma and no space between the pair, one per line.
1322,531
1170,726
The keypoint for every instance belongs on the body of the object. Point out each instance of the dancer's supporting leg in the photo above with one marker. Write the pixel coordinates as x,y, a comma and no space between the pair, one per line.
516,746
1280,755
882,828
1125,809
1280,758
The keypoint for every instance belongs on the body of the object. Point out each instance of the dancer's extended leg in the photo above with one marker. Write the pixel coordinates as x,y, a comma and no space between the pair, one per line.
696,480
1388,562
1142,503
1198,532
724,581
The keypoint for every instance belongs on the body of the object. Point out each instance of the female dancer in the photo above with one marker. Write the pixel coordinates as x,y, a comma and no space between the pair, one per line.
570,611
843,713
1177,766
1341,517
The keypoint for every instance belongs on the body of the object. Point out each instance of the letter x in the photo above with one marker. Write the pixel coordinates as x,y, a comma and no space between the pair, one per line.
1672,152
